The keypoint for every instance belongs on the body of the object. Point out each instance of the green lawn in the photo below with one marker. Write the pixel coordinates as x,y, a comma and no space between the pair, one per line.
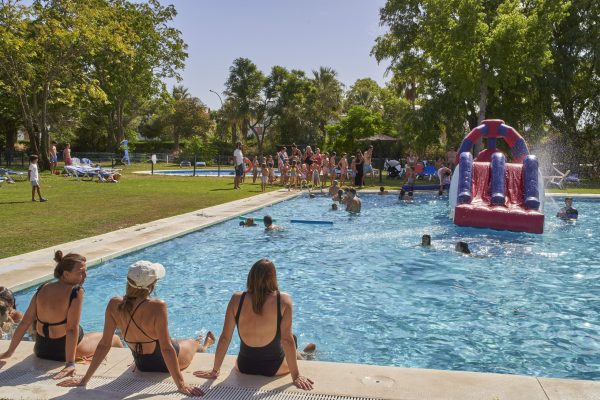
77,209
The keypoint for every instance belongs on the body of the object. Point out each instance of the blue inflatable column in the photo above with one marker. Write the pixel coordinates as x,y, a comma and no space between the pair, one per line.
465,178
498,179
530,179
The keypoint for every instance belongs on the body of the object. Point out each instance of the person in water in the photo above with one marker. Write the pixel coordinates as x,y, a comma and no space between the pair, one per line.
382,191
462,247
248,222
263,316
56,309
144,324
269,225
426,240
568,212
353,204
9,316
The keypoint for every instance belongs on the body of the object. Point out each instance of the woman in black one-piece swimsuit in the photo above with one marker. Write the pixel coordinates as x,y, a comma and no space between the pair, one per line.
261,301
50,322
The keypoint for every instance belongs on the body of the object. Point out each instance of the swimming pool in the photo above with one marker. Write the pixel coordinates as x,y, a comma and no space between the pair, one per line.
365,292
200,172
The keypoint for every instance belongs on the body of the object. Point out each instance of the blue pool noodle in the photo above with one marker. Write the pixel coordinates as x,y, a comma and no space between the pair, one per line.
305,221
498,188
530,179
465,178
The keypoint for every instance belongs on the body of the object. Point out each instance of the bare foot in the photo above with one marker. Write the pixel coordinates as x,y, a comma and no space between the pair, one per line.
210,340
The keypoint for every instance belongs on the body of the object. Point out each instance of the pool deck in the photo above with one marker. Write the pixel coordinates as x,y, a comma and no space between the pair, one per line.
24,376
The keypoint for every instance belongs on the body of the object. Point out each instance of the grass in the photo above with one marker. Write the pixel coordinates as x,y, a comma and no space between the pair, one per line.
78,209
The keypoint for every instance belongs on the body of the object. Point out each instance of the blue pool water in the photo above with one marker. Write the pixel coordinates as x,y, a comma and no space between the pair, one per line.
365,292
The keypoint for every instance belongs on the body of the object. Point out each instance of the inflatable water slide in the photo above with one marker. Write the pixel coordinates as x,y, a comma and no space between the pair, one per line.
489,191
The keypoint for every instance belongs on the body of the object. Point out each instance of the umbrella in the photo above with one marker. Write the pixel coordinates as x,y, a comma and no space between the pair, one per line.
379,138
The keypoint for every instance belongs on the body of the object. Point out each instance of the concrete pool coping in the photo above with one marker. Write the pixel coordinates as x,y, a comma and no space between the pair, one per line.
25,376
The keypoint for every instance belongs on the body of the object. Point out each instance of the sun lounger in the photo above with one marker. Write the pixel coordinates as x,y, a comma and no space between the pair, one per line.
12,176
558,180
79,172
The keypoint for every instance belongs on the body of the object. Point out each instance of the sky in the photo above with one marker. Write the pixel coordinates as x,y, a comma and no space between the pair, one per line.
304,34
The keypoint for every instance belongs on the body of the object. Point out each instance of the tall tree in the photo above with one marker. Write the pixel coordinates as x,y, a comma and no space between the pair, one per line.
144,50
43,53
467,51
325,101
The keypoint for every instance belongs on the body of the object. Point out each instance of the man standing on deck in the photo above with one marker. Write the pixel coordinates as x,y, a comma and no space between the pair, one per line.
367,167
238,162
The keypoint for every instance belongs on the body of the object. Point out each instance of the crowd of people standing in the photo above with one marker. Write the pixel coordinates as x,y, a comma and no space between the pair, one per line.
300,169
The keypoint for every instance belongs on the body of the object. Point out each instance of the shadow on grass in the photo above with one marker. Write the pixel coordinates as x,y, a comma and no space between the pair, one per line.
15,202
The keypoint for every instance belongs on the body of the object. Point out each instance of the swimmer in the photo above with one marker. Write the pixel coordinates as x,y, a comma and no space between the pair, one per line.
404,196
333,189
462,247
307,353
426,240
249,222
568,212
269,225
382,191
334,207
353,203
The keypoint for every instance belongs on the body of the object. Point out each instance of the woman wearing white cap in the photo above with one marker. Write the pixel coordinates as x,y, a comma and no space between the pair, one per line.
143,322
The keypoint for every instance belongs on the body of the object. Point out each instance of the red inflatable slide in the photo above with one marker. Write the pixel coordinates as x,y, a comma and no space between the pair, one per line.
488,192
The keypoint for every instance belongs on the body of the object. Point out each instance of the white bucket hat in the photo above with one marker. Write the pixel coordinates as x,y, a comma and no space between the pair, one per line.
145,273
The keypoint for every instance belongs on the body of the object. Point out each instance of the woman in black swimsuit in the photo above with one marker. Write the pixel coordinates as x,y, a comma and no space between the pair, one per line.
263,316
56,306
144,324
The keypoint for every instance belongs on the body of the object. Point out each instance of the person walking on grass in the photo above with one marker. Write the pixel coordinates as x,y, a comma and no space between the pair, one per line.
34,178
238,161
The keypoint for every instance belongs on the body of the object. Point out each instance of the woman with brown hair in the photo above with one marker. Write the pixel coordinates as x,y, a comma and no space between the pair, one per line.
264,325
144,324
56,310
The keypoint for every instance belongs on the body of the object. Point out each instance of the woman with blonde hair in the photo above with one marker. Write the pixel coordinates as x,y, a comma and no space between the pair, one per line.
56,309
144,324
264,323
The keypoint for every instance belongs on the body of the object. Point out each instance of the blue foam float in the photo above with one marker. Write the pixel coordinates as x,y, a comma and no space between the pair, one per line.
314,222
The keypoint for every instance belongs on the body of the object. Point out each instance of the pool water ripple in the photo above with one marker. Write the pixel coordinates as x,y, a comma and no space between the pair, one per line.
366,292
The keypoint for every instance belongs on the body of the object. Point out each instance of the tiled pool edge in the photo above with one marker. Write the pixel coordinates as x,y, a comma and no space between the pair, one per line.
26,270
25,376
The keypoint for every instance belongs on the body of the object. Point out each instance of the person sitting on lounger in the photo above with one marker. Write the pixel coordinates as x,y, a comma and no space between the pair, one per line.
144,324
56,307
263,316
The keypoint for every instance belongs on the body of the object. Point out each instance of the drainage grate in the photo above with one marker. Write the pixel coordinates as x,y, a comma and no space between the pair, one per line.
128,386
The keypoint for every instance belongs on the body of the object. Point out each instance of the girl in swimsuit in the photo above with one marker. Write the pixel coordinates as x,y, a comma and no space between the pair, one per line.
254,169
263,316
343,166
144,324
56,306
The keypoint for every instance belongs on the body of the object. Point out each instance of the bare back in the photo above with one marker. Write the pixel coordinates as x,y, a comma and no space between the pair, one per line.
52,306
147,317
257,330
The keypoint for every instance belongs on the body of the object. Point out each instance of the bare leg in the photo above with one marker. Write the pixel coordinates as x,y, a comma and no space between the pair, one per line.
33,193
187,350
87,347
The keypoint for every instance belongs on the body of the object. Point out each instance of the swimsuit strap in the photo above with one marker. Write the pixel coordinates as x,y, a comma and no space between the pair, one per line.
237,314
46,325
135,323
279,316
